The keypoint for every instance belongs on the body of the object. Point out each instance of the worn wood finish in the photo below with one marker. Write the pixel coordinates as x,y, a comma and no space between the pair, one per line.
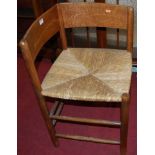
130,29
88,139
124,123
42,29
94,15
62,30
87,14
86,120
36,83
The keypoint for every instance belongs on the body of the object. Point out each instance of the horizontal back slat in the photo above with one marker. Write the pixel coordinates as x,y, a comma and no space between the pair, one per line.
94,15
42,30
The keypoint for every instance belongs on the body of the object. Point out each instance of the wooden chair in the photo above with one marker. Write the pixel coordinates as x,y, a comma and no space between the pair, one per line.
82,74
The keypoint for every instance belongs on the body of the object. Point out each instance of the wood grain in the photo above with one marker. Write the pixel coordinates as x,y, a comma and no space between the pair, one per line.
37,87
62,29
124,115
38,34
130,29
94,15
88,139
82,74
86,120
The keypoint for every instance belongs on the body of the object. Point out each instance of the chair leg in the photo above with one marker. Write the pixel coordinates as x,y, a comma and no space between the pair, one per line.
48,121
124,113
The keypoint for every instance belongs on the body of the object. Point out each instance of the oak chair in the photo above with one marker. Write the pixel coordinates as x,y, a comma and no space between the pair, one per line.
82,74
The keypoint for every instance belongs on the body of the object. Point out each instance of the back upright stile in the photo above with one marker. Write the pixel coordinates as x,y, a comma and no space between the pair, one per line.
42,29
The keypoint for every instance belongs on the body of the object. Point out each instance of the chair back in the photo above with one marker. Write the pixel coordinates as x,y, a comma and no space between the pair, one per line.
94,15
41,30
98,15
69,15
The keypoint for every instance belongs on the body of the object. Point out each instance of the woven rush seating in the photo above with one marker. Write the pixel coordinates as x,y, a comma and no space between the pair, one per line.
82,74
89,74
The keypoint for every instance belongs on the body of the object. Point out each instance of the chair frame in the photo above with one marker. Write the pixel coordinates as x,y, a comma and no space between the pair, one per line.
56,19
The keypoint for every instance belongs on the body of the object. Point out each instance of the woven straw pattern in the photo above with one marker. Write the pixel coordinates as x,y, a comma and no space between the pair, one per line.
89,74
